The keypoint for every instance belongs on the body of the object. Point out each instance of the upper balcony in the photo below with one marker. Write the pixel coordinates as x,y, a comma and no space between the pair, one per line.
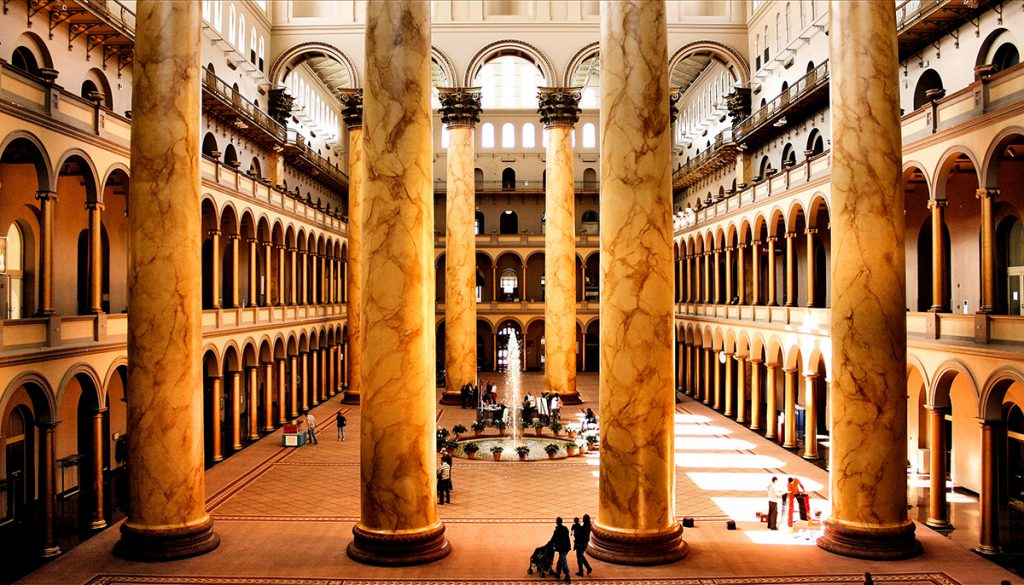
108,26
518,187
721,153
226,104
807,94
920,22
304,158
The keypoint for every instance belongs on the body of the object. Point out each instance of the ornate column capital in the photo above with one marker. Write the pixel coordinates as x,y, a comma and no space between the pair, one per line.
790,235
94,206
214,232
984,193
559,106
251,241
811,231
460,106
352,107
234,237
937,203
47,195
674,94
771,239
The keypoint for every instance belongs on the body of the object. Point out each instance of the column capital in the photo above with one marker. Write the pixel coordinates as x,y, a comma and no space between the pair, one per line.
730,248
460,106
94,206
559,106
934,408
771,239
738,356
790,235
983,422
790,370
233,237
214,232
811,231
756,360
985,193
810,375
100,410
352,107
674,94
251,241
47,195
937,203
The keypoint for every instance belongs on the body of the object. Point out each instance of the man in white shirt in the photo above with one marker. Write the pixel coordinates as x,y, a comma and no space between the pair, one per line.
310,429
774,498
556,407
444,483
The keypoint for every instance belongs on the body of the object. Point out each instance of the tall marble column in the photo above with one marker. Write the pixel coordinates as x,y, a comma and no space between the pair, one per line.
755,272
294,385
755,394
47,201
460,112
398,522
95,257
268,396
235,267
771,430
254,429
789,408
790,269
217,389
988,250
48,488
98,520
709,373
304,376
869,327
559,112
717,385
939,298
216,291
167,516
810,417
938,513
727,385
282,414
636,521
352,112
254,283
812,275
741,387
988,499
236,410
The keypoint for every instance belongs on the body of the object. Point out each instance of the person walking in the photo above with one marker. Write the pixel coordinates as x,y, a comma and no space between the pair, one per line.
774,497
798,494
580,542
560,542
444,478
341,426
311,429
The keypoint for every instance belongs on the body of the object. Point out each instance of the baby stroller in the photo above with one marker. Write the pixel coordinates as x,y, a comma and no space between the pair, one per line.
542,558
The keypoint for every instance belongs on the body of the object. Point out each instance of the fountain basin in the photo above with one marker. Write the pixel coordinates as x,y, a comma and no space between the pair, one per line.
536,445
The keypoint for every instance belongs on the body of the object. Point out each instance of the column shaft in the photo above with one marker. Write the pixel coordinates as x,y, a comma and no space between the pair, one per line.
95,258
727,384
717,385
810,417
280,276
167,516
708,370
398,523
636,521
47,201
755,394
771,414
988,251
216,414
789,409
869,343
812,277
791,269
282,414
254,285
236,411
215,276
939,298
236,268
353,113
268,396
772,282
988,499
294,385
938,514
293,253
48,489
741,389
98,520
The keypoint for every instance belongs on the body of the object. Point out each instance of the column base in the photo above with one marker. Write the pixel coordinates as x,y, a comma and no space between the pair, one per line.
811,456
268,429
50,552
97,524
988,551
451,398
572,398
350,397
638,549
880,544
939,524
166,545
398,550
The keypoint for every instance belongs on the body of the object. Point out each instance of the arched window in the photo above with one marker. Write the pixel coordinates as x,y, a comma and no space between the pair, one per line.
529,135
509,81
778,32
508,223
230,155
508,282
210,145
23,59
241,34
788,156
788,33
508,135
218,16
478,222
255,169
88,87
14,261
589,181
767,53
252,45
589,135
764,168
487,135
231,24
508,179
589,221
928,81
261,54
207,10
815,143
1006,56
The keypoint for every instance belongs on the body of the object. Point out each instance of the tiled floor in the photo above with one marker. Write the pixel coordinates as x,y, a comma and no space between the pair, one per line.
285,516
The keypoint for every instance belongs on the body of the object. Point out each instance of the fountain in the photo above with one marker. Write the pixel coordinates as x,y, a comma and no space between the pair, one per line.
513,396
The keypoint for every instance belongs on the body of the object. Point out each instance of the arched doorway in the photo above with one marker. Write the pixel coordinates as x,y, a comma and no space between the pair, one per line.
505,332
508,223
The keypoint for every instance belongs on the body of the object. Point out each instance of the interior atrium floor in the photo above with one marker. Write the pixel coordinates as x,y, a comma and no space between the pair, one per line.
285,515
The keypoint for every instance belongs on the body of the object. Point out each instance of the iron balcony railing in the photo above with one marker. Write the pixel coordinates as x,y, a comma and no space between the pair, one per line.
723,138
806,84
114,13
226,93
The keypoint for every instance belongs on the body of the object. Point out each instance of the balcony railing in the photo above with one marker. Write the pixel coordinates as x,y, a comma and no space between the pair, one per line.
720,153
920,22
809,84
114,13
305,157
239,105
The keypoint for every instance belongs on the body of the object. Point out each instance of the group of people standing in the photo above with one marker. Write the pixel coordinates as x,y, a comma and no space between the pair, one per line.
580,541
547,407
469,395
793,494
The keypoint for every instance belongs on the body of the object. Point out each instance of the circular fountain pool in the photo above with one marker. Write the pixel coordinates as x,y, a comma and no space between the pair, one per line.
536,445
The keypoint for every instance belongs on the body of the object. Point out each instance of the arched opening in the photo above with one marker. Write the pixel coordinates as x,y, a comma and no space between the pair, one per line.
591,274
484,346
1015,454
788,156
1010,267
505,332
590,221
589,179
14,258
533,348
591,347
508,223
508,285
1005,56
210,146
231,156
508,179
484,278
928,81
479,224
22,59
255,169
815,143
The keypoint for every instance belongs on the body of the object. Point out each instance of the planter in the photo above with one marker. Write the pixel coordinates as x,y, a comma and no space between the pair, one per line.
571,451
551,455
471,455
497,456
557,433
522,456
477,433
572,434
458,436
539,432
501,432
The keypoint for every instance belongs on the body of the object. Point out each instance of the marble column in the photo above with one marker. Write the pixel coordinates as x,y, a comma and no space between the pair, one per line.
939,298
293,255
306,382
688,372
789,408
727,384
741,388
294,386
98,520
235,268
812,276
217,448
636,521
167,516
95,257
215,268
48,488
741,277
771,413
938,513
282,414
988,499
755,272
352,112
755,394
709,373
772,300
810,417
460,112
559,112
280,275
253,401
325,378
268,396
268,255
790,269
236,410
729,291
988,250
717,386
707,277
47,201
398,522
254,283
869,327
315,381
716,277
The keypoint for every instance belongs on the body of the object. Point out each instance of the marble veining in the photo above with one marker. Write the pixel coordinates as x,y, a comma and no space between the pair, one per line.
460,263
560,264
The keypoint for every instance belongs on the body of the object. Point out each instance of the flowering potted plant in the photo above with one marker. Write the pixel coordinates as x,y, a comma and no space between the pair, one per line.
571,431
458,431
470,450
478,427
538,427
592,442
496,451
556,427
570,449
551,449
522,451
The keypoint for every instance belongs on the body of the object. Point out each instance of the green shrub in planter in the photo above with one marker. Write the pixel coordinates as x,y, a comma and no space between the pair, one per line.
551,448
470,448
522,450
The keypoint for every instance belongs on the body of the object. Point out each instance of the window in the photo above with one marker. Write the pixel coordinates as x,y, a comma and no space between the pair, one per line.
218,15
510,81
15,269
445,137
231,24
529,135
509,281
207,10
261,53
778,32
508,135
589,136
788,37
23,60
803,15
252,45
487,135
241,34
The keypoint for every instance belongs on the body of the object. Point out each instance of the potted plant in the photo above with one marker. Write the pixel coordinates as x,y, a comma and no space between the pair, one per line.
522,451
451,446
556,427
496,451
571,431
442,437
478,428
570,449
501,427
551,449
592,442
458,431
538,427
470,450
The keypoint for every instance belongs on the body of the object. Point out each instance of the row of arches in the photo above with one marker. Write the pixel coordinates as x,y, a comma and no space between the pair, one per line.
493,335
509,278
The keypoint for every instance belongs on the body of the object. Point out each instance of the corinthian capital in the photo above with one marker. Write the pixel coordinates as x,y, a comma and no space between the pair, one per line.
559,106
460,106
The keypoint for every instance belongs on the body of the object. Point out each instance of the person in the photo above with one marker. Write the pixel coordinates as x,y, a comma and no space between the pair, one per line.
590,419
560,542
444,477
311,429
464,395
542,407
798,494
555,405
341,426
447,458
774,497
580,542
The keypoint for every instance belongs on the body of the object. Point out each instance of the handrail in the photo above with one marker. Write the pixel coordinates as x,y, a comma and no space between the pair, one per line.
812,80
117,15
723,138
298,141
220,88
908,11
